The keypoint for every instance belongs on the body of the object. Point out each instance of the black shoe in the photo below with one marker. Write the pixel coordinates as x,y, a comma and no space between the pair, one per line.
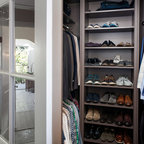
104,117
96,98
89,97
110,118
111,44
97,133
89,132
105,44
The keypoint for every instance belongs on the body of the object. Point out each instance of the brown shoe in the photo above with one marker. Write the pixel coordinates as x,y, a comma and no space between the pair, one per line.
112,80
128,100
119,138
127,139
119,119
127,119
120,99
89,115
105,80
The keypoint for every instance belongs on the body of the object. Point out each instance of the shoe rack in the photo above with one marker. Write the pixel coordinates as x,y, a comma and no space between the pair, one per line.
128,30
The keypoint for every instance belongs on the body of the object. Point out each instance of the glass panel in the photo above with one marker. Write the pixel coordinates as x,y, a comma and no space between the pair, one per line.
24,36
4,37
4,106
24,131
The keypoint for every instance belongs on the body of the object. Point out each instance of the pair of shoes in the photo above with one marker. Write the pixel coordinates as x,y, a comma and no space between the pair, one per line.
93,26
108,98
121,138
124,100
125,63
123,81
92,131
93,97
108,80
123,118
92,114
91,44
110,24
107,117
108,63
108,44
93,61
92,79
122,44
108,135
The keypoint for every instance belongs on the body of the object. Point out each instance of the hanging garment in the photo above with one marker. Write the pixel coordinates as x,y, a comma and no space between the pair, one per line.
140,83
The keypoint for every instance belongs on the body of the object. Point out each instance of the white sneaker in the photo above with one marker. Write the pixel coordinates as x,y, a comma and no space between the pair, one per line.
120,81
117,59
127,82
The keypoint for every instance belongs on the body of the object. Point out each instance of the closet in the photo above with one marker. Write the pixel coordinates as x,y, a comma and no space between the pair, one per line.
94,52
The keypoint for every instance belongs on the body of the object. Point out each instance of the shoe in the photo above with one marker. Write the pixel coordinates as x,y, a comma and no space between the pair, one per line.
96,115
105,44
127,82
119,138
121,64
96,26
114,24
105,63
110,118
127,139
128,63
89,79
104,135
127,120
96,98
105,80
90,131
116,59
121,44
120,81
89,97
87,133
111,44
119,119
107,24
89,115
128,44
111,63
97,62
120,99
111,80
96,80
104,116
97,133
90,26
112,99
111,135
128,100
105,98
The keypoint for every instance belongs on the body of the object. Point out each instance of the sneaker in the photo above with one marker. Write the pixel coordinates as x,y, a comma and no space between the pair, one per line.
105,63
89,79
90,26
121,64
112,99
128,63
89,97
107,24
96,26
117,59
111,80
96,80
120,81
127,82
96,98
105,80
113,24
105,98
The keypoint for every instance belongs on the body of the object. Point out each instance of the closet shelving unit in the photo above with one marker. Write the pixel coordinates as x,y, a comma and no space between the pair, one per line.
85,16
67,19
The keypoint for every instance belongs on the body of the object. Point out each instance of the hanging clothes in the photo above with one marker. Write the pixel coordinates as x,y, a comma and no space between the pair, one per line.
71,123
140,83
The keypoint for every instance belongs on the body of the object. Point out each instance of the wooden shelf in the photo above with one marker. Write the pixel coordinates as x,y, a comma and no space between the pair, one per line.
111,29
98,141
111,48
110,13
67,19
109,105
107,124
109,86
107,67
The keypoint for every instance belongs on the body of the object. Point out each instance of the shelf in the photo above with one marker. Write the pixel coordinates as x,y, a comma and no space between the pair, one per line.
112,48
67,19
109,105
110,29
108,86
110,13
107,124
107,67
98,141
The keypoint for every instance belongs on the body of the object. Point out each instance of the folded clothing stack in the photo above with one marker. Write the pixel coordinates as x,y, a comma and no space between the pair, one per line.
67,9
108,5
